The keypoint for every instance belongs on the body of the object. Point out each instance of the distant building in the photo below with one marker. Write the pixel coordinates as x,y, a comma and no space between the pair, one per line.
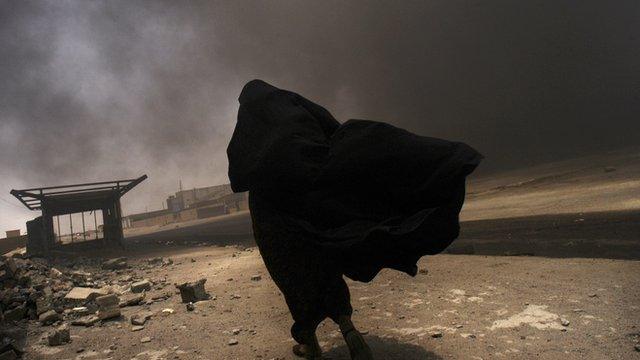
186,205
185,199
13,233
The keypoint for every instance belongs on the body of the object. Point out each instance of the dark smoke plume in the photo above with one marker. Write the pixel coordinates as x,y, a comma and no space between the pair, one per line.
101,90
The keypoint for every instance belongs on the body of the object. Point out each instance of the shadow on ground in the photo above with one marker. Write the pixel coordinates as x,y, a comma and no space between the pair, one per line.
387,349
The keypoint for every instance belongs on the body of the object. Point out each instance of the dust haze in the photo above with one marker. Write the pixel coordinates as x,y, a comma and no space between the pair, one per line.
104,90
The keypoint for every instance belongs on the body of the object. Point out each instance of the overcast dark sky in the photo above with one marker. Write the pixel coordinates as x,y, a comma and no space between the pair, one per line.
98,90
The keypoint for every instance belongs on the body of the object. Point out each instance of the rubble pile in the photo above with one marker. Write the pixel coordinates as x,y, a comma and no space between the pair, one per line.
57,293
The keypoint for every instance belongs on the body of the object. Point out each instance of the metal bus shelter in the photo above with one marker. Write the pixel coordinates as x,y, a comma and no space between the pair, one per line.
56,201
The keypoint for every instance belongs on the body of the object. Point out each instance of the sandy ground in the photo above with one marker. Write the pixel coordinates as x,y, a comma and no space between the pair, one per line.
486,308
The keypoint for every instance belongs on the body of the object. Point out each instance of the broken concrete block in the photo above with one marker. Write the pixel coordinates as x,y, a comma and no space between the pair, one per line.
84,294
140,318
49,317
15,314
115,264
193,291
59,336
55,273
108,313
43,304
110,300
140,286
132,299
87,321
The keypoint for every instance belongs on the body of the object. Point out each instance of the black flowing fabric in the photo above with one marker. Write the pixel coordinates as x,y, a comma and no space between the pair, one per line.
369,194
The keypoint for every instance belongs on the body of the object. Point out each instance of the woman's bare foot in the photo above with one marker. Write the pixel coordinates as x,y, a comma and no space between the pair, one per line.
358,348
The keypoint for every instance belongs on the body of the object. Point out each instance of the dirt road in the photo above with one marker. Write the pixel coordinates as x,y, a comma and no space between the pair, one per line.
485,308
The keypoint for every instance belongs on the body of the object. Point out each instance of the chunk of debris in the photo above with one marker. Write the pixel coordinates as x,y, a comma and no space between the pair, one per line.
256,277
235,331
55,273
423,271
84,294
132,299
49,317
137,328
140,286
167,311
193,291
59,336
115,264
108,306
233,342
145,339
437,334
86,321
190,307
637,347
15,314
564,322
141,318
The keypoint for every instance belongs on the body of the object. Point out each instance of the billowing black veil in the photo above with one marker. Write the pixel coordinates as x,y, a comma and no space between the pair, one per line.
372,194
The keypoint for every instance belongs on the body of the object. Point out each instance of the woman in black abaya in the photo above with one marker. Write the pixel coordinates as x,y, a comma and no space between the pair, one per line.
330,199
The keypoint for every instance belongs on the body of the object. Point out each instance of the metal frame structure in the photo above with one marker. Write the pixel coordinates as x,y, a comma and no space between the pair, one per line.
69,199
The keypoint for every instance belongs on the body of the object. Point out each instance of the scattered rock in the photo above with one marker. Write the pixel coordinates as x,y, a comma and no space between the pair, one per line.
437,334
108,307
637,347
137,328
233,342
87,321
423,271
564,322
235,331
145,339
59,336
256,278
49,317
15,314
193,291
140,286
141,318
84,294
132,299
167,311
55,273
190,307
115,264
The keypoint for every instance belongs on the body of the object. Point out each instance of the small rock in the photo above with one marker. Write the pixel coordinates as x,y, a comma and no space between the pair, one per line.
637,347
107,300
140,318
59,336
193,260
83,294
79,350
193,291
564,322
256,277
423,271
235,331
593,295
167,311
145,339
190,307
49,317
87,321
15,314
132,299
437,334
55,273
233,342
137,328
140,286
115,264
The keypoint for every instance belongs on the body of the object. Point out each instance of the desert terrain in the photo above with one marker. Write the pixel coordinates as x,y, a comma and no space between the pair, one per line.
546,268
